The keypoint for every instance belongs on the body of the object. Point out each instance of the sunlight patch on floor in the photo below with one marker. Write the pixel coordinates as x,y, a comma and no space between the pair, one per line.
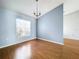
23,52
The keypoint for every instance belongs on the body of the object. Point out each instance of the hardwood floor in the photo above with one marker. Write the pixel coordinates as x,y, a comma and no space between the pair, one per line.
70,49
39,49
34,49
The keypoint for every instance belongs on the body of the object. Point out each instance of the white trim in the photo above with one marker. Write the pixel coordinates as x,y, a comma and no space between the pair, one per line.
51,41
71,37
28,40
16,43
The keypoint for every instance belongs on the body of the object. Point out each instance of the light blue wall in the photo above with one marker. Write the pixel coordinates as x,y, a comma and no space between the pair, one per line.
50,25
8,28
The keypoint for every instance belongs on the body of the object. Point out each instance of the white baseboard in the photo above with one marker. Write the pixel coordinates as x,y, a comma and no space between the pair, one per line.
28,40
71,37
51,41
16,43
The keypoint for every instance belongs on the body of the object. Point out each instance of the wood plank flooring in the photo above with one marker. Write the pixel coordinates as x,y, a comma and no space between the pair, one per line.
39,49
70,49
34,49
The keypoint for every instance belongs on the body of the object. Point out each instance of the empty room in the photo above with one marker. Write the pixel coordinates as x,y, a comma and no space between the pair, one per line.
39,29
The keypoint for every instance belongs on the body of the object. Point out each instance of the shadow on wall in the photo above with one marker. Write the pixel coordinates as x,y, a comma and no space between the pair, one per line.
50,25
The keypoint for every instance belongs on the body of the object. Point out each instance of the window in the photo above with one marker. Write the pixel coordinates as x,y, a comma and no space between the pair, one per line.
23,27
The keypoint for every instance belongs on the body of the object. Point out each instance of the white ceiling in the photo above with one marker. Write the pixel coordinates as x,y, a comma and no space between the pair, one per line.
70,6
28,6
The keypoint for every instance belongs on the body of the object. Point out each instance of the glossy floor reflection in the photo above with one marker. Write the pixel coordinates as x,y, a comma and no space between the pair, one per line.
23,52
34,49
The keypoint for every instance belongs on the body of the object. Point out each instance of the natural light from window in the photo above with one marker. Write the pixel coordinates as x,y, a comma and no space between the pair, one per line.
23,52
23,27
